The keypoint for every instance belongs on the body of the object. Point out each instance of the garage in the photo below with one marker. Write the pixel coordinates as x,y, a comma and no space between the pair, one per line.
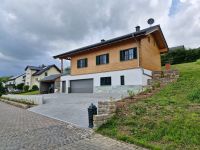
81,86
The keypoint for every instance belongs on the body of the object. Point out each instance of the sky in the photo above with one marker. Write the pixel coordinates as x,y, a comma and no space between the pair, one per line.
33,31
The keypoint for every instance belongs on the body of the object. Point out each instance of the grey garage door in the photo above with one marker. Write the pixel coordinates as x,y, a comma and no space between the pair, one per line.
81,86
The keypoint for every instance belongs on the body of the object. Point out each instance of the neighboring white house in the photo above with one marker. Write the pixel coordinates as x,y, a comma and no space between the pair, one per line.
35,74
14,81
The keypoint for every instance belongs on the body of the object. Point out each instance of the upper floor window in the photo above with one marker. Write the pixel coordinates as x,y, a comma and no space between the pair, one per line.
82,63
128,54
102,59
46,74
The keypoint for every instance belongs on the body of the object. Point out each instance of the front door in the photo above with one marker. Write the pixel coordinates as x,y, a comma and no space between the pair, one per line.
63,86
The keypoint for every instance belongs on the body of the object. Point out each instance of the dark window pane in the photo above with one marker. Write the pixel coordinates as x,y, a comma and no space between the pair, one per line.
105,81
122,80
81,63
128,54
102,59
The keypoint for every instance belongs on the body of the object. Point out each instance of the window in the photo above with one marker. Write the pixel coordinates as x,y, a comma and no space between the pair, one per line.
128,54
36,79
82,63
105,81
46,74
102,59
122,80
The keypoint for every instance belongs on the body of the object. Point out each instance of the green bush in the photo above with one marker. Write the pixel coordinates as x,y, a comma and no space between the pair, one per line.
157,84
194,95
2,89
26,88
147,90
198,62
20,86
180,56
35,88
131,93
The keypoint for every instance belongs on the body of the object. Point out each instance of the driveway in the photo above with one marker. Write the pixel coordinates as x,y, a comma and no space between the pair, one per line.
25,130
71,108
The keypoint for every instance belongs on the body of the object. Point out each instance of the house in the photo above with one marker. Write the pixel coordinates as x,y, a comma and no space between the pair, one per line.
14,81
115,65
35,74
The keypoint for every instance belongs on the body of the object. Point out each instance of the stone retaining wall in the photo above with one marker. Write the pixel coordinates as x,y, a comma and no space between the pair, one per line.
106,110
35,99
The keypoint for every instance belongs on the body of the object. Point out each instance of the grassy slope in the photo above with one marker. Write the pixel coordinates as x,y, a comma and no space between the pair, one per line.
168,120
31,93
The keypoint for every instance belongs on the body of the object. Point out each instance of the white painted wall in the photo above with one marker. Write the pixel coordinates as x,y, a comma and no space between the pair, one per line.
19,80
132,77
35,99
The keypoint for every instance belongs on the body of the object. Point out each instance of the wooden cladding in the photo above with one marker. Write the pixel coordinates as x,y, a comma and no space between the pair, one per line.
113,64
112,57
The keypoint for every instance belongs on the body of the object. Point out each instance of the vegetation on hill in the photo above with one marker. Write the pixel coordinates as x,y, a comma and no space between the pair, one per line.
168,120
181,56
4,79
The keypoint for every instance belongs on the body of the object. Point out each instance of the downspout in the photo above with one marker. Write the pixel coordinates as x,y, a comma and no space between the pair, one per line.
138,55
138,52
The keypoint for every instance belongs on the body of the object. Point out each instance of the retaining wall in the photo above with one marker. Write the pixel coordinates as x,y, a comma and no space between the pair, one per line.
106,110
35,99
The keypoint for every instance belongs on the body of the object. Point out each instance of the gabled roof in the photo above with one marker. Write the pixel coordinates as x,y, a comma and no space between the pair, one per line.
50,78
117,39
33,68
39,72
15,77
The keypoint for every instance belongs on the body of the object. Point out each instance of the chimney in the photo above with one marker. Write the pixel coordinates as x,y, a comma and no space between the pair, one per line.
103,40
137,28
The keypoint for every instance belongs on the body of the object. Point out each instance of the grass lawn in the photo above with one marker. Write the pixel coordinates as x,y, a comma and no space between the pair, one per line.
31,93
168,120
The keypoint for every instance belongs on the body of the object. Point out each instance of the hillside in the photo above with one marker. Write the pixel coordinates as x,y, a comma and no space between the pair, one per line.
168,120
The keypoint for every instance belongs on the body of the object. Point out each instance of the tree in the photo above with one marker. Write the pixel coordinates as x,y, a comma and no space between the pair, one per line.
20,86
2,89
26,88
35,88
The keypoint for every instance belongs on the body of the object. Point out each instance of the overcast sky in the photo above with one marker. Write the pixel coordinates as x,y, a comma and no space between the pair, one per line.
32,31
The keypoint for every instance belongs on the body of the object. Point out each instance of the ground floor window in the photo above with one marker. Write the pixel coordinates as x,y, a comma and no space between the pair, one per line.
122,80
105,81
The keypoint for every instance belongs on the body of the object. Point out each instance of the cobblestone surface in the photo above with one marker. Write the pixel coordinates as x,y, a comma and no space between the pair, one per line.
24,130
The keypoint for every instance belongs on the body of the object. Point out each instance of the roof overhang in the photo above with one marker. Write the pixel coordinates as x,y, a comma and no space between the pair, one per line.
155,30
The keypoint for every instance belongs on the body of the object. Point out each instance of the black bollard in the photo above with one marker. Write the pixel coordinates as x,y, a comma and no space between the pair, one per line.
92,110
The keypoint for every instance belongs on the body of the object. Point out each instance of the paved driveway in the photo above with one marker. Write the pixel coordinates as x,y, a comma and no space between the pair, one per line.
24,130
71,108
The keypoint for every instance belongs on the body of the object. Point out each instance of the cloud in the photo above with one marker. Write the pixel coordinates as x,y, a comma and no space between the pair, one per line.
31,32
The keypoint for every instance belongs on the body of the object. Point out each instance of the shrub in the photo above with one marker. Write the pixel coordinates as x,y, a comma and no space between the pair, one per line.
194,96
26,88
180,56
2,89
198,62
131,93
20,86
147,90
157,84
35,88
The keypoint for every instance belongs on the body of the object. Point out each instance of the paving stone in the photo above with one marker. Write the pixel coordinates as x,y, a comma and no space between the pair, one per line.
24,130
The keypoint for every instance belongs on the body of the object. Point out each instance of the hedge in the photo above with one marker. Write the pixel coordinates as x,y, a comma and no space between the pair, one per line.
180,56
